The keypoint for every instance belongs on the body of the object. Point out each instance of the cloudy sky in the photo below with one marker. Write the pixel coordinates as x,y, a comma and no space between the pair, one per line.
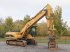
19,8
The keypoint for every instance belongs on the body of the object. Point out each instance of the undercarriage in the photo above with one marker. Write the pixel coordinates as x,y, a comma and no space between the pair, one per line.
21,42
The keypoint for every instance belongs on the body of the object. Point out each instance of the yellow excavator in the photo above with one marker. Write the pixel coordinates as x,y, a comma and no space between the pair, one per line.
24,38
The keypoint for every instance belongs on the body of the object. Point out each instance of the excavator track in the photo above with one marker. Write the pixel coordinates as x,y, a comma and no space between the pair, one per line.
17,43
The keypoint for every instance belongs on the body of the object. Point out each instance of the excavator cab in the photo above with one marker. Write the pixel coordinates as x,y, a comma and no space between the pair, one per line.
31,34
33,31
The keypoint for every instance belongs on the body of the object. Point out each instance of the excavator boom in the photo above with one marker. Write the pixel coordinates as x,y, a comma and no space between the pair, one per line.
33,21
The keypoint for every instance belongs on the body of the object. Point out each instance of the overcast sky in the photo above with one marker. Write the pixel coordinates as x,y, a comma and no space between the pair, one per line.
19,8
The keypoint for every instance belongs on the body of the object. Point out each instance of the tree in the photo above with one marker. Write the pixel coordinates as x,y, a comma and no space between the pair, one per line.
2,28
18,25
41,29
1,21
26,19
9,23
60,28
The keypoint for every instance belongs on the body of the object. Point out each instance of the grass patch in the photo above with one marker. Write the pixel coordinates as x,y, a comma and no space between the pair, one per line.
2,39
63,41
41,39
45,40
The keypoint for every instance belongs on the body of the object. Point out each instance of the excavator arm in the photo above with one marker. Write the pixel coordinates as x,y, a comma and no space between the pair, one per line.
46,11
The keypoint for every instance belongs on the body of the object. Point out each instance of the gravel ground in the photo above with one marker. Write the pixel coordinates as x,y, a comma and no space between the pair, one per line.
41,47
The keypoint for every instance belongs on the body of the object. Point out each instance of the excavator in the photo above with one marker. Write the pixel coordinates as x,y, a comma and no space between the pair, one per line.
24,38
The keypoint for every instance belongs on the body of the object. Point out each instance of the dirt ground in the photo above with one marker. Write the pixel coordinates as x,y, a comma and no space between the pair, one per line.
41,47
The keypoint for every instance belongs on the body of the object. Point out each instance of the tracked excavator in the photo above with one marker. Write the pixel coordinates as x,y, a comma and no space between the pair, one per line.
24,38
